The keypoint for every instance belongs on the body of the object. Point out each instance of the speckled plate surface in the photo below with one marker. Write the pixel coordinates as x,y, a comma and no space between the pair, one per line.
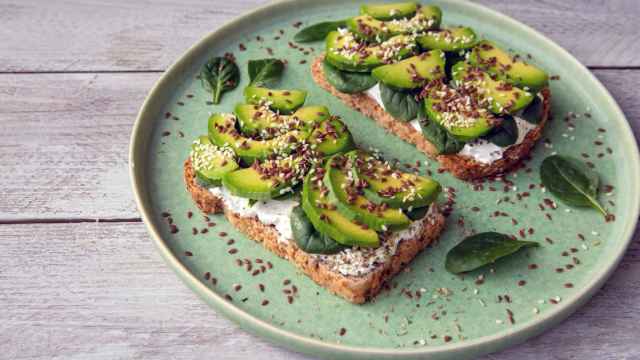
455,317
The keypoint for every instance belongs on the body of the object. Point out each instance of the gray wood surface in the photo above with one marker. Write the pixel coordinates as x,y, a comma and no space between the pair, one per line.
72,77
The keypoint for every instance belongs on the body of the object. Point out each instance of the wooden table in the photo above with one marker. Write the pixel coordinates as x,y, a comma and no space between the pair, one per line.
79,276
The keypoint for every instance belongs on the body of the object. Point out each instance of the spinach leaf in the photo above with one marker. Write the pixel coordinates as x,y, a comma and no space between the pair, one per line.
505,134
417,213
318,31
347,82
571,181
444,142
307,238
400,104
482,249
533,112
265,72
218,75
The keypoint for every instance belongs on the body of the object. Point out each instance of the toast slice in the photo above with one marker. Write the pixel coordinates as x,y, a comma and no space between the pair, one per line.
325,269
461,166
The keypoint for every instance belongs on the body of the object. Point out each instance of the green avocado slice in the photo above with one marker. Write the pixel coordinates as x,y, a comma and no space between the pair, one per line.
268,179
211,162
331,137
503,98
373,29
389,11
508,67
450,39
285,101
327,220
412,72
261,120
398,189
346,194
457,111
345,52
223,132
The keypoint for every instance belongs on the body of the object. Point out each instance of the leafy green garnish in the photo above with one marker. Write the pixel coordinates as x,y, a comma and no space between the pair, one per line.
307,238
401,105
444,142
265,72
482,249
218,75
318,31
533,112
504,135
417,213
571,181
347,82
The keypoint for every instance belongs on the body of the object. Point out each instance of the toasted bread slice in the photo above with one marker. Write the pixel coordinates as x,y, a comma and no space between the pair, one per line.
461,166
323,268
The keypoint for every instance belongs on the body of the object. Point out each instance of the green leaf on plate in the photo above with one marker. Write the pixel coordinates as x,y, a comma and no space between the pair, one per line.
571,181
505,134
444,142
218,75
265,72
482,249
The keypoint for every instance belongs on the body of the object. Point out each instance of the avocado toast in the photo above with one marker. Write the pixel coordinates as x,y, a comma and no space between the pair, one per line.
476,108
296,183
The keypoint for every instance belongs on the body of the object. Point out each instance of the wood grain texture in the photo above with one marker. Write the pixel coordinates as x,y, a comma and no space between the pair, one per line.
101,291
67,139
121,35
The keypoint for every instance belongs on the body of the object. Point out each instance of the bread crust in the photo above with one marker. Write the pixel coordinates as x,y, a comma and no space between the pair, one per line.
461,166
356,289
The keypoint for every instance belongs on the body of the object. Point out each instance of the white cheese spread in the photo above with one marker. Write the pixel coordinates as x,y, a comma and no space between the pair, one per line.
354,261
272,212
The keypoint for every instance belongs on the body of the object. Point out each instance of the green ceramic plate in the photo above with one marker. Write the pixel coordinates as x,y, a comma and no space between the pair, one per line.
454,317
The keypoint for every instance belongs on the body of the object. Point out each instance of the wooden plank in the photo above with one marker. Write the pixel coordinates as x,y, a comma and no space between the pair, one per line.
120,35
101,291
66,140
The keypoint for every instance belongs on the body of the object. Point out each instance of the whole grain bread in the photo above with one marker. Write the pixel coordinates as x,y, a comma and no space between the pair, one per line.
461,166
356,289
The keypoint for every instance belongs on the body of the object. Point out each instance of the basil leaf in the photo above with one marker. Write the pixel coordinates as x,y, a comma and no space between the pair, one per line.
533,112
347,82
218,75
400,104
571,181
318,31
307,238
505,134
265,72
482,249
444,142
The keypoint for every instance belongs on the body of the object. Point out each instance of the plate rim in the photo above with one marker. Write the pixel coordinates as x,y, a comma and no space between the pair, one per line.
483,344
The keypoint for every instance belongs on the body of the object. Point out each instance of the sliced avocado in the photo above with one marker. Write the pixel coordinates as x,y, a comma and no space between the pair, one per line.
327,220
211,162
347,194
261,120
223,132
389,11
503,98
451,39
284,101
412,72
347,53
268,179
368,28
331,137
508,67
398,189
458,112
